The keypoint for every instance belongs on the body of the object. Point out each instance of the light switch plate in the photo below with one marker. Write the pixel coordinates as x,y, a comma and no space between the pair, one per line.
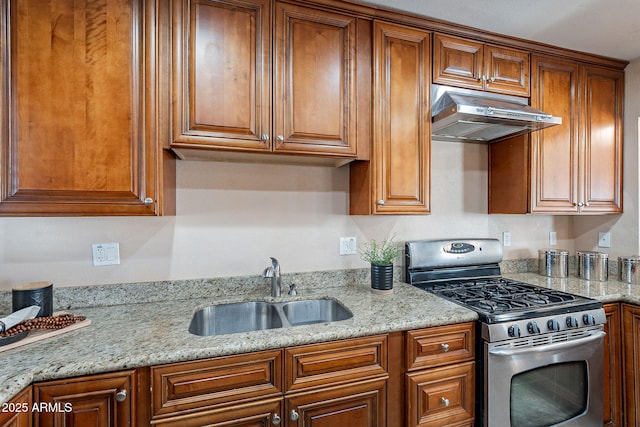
506,238
348,246
604,240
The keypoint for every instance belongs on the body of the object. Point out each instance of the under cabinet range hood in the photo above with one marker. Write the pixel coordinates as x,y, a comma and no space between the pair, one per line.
472,116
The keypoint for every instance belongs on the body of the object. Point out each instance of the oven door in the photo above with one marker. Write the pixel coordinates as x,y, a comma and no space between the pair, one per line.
545,383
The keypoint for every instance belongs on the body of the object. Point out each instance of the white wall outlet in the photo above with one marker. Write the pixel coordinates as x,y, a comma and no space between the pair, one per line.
604,240
506,238
106,254
348,246
553,238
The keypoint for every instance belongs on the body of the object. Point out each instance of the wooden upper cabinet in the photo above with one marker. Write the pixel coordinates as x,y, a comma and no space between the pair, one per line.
401,152
600,183
572,168
221,73
79,110
475,65
227,57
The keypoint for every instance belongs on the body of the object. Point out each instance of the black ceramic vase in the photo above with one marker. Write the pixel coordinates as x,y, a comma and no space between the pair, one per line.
382,277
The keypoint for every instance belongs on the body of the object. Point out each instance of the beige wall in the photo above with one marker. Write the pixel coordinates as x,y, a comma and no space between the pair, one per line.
233,216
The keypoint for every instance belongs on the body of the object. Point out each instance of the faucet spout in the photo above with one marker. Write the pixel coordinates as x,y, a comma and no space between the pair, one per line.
273,272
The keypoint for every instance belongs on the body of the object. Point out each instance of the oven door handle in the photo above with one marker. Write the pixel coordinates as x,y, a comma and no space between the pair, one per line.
548,347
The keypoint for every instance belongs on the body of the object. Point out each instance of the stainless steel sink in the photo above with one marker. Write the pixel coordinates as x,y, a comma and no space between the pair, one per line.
259,315
238,317
314,311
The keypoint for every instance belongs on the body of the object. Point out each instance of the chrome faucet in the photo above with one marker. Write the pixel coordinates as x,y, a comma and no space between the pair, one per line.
273,273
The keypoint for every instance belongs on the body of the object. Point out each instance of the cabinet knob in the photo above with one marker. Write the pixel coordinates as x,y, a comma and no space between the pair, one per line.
280,138
265,137
492,79
445,401
445,347
580,204
148,201
275,420
121,396
294,415
380,202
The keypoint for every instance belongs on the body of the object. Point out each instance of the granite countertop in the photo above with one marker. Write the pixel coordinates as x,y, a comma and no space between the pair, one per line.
141,334
154,330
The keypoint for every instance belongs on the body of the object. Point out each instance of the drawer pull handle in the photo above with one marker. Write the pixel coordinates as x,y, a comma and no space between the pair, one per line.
275,420
294,415
445,401
121,396
445,347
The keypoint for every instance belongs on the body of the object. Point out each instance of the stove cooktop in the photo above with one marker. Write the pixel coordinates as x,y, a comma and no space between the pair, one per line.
500,300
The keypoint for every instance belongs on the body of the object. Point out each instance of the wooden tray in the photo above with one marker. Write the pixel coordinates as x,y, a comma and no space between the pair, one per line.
41,334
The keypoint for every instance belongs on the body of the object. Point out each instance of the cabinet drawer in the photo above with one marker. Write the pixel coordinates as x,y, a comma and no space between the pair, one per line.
441,345
441,396
187,386
335,363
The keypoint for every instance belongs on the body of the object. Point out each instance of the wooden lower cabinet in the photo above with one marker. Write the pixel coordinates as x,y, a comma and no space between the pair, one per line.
90,401
631,363
440,382
612,395
17,412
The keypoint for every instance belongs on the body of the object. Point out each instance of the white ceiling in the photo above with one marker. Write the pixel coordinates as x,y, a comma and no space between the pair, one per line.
604,27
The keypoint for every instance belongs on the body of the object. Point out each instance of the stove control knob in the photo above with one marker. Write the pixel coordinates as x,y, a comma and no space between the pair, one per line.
514,331
588,319
533,328
553,325
572,322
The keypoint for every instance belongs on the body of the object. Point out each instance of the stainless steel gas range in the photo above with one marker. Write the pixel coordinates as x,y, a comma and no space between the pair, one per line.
540,357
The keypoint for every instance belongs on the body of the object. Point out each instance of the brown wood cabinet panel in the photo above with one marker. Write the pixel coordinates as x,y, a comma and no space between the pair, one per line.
17,412
91,401
315,82
402,124
257,414
188,386
631,363
612,398
361,404
441,396
457,62
507,70
475,65
80,105
221,73
554,151
334,363
440,345
601,134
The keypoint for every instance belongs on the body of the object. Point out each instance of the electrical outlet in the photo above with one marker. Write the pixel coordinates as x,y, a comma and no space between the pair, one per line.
506,238
604,240
553,238
348,246
106,254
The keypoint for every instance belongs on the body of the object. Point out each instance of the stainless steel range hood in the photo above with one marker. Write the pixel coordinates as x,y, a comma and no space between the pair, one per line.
473,116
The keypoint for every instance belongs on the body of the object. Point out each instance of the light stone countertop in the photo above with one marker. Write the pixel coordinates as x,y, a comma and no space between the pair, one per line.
141,334
148,332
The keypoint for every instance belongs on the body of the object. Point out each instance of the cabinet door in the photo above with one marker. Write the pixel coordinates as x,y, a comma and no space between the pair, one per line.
78,119
612,397
94,401
506,70
17,412
601,136
631,363
457,61
315,81
402,122
441,396
358,405
221,74
554,151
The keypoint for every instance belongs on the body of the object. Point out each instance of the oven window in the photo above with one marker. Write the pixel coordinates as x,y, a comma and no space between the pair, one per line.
549,395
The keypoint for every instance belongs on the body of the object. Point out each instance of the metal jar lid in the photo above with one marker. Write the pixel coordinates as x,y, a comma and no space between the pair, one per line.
553,252
592,254
631,259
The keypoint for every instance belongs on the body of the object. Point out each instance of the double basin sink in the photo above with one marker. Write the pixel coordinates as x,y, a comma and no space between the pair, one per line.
259,315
